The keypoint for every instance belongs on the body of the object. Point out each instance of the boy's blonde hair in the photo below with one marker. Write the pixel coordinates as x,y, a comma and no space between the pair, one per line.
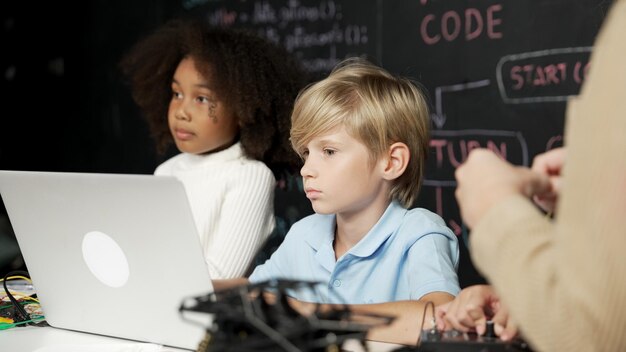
376,108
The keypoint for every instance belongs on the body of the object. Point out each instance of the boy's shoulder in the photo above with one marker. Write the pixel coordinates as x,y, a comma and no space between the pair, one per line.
424,215
426,221
312,228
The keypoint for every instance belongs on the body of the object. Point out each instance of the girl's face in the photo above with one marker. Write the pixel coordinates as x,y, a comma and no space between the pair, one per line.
198,120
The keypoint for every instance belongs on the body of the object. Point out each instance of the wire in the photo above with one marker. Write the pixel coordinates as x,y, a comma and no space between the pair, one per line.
16,277
34,320
434,328
19,294
21,313
24,296
7,306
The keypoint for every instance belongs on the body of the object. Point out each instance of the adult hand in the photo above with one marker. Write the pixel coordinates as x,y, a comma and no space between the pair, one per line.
549,164
471,309
485,179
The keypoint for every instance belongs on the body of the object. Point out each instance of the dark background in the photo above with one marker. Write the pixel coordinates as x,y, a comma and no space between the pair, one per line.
497,74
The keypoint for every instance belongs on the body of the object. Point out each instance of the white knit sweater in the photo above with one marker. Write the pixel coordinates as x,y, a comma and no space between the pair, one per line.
232,200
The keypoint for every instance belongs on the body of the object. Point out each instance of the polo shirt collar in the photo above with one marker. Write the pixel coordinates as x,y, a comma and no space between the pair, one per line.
321,238
380,232
323,234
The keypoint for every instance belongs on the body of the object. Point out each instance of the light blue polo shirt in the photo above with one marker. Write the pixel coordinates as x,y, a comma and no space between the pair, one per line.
407,254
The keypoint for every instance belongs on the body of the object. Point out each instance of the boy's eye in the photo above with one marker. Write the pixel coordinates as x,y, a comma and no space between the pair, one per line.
329,152
202,100
176,95
304,154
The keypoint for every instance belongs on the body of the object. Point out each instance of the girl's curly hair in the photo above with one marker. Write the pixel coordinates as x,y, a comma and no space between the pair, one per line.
256,78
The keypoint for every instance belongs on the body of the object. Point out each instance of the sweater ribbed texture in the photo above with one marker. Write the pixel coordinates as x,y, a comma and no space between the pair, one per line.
232,201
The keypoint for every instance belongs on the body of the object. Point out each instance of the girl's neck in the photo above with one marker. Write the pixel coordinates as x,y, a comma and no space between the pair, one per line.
222,147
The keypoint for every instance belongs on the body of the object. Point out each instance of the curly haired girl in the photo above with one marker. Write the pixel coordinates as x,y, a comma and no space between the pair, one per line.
224,97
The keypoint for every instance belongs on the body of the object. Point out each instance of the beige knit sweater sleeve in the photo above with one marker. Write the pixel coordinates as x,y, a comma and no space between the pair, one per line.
565,281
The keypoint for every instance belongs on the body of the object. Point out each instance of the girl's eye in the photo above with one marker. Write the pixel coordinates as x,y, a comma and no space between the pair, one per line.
329,152
202,100
176,95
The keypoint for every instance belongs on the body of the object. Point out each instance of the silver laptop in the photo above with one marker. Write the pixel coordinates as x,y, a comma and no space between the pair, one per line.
109,254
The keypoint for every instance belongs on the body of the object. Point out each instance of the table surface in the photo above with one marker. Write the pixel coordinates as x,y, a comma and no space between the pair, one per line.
49,339
29,339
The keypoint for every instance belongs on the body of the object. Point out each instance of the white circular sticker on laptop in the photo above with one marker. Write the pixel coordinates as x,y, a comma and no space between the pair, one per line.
105,259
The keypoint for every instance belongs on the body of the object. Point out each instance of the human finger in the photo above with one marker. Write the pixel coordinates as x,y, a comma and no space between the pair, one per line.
482,181
550,162
535,183
476,318
466,311
440,316
504,327
453,314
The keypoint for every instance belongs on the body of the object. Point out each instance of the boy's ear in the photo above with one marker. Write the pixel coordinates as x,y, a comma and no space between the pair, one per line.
396,160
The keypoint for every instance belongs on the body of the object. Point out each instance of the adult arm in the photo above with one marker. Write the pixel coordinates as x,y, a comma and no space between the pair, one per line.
563,281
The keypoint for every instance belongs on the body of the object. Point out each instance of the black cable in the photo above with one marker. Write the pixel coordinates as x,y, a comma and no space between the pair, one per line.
19,310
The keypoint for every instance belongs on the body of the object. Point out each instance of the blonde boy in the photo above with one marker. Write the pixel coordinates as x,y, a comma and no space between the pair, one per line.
363,135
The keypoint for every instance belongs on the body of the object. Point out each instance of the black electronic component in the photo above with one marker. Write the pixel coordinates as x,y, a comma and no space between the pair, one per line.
456,341
259,317
490,331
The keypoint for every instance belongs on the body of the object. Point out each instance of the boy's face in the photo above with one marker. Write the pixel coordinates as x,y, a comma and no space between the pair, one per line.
198,120
338,174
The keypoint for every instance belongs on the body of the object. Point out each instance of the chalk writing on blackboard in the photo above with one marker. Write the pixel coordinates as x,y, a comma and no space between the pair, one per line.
451,148
461,25
542,76
439,117
318,33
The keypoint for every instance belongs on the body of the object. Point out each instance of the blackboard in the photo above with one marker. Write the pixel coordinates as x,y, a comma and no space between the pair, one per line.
498,73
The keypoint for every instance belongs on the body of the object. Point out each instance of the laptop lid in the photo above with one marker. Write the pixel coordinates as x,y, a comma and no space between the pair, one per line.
109,254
